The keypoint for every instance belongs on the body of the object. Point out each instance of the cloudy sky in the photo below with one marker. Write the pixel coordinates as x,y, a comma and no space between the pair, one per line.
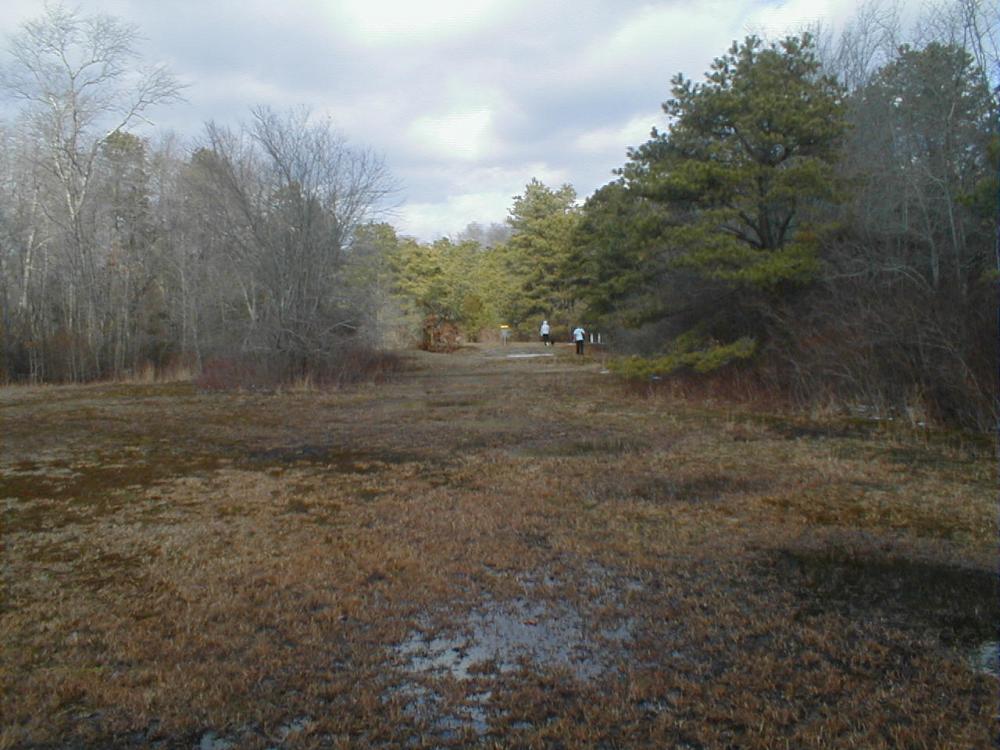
466,100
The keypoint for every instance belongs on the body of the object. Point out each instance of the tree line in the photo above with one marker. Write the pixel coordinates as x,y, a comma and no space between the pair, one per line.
119,253
818,219
822,217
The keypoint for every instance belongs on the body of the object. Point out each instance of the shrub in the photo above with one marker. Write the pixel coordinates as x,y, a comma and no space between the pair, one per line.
440,335
708,359
347,365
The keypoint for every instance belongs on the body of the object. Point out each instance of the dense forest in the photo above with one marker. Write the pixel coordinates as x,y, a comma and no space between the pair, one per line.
817,220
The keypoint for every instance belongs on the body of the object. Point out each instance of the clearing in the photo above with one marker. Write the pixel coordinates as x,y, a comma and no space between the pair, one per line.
490,552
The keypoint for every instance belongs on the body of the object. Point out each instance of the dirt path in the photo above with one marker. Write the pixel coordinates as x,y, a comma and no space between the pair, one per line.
494,551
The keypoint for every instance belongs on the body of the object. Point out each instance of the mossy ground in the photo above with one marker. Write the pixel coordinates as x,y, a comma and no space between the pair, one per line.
182,566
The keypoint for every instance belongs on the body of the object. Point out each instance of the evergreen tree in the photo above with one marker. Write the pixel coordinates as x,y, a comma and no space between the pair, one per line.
619,262
538,254
450,281
739,178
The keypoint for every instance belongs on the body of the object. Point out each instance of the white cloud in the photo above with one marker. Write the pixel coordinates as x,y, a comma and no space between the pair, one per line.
465,136
467,100
775,21
669,38
513,178
244,87
429,221
615,139
474,194
392,21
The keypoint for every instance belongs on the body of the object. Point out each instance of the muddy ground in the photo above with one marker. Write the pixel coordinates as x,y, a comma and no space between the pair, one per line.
487,552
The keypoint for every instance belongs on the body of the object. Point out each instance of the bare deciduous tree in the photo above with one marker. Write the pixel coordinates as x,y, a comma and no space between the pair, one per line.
79,83
866,43
288,196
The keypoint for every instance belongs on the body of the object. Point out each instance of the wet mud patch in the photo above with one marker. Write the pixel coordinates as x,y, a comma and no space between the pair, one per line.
659,489
955,453
792,431
562,447
366,467
341,460
84,492
93,477
960,465
467,403
76,565
959,604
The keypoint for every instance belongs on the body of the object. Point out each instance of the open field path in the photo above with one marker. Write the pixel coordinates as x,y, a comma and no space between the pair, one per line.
501,547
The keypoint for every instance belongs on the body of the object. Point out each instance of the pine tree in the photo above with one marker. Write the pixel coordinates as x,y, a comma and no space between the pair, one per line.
741,176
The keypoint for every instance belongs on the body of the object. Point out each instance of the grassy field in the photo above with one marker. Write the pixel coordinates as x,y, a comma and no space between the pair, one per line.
487,552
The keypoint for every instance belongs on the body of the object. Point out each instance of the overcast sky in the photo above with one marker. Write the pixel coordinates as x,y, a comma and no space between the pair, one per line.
466,100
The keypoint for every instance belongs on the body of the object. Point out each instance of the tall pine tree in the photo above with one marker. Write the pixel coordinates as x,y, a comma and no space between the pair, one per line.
741,176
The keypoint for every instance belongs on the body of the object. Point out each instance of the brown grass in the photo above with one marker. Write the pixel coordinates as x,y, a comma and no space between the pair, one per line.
181,566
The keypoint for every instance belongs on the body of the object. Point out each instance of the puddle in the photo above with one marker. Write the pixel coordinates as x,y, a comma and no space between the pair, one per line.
528,356
499,638
428,707
986,659
212,741
251,734
467,718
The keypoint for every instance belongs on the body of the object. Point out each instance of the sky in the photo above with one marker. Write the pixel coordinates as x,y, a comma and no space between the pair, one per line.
465,100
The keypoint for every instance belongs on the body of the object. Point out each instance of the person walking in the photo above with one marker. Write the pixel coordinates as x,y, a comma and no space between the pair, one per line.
544,331
578,334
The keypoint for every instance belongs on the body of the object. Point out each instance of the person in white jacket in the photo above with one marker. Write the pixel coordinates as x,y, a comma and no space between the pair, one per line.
578,334
544,332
